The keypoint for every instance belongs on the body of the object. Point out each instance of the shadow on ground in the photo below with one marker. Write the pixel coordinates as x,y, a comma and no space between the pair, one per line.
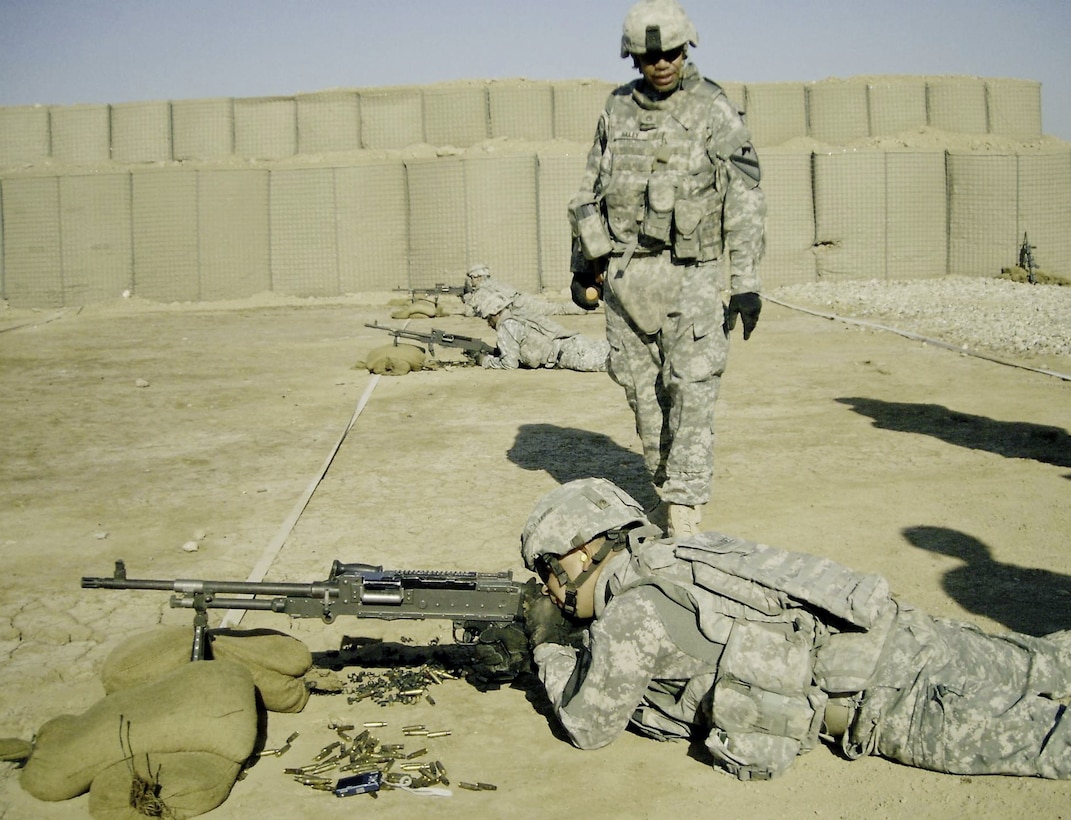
1011,439
1024,599
567,453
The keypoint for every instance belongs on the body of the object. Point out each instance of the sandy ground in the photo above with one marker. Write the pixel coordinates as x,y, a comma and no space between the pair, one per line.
948,474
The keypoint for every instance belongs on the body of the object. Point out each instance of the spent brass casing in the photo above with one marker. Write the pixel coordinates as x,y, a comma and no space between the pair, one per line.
326,750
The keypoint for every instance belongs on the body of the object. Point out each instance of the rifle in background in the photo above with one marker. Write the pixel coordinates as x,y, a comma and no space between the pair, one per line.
438,289
470,346
1026,260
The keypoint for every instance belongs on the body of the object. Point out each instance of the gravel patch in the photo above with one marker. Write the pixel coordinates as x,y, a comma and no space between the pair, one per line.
995,316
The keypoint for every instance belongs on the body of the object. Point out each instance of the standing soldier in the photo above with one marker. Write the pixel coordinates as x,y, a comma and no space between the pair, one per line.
669,224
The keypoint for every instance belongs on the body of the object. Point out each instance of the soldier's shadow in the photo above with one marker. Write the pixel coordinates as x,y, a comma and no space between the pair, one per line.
1025,599
568,453
1011,439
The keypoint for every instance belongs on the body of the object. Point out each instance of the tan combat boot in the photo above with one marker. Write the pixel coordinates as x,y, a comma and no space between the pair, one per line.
683,520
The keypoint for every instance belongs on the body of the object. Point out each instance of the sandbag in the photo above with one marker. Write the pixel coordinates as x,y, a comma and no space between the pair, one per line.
15,749
395,360
187,783
418,308
145,657
277,661
199,707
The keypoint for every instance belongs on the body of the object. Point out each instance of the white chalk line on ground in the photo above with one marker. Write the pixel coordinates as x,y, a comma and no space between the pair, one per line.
233,617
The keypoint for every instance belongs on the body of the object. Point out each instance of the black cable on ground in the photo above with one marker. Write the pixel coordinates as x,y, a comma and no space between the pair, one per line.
917,337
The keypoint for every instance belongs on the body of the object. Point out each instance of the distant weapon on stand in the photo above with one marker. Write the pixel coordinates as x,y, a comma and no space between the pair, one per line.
1026,260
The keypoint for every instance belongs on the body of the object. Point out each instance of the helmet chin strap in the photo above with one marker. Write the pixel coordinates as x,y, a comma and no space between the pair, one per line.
613,541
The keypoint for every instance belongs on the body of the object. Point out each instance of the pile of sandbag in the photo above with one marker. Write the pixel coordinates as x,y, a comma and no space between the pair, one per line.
171,736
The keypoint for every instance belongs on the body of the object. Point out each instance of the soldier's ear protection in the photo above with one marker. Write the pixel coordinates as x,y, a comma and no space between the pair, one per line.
613,541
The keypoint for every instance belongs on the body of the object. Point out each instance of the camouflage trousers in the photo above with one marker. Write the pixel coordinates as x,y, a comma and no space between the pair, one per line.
951,698
671,376
584,354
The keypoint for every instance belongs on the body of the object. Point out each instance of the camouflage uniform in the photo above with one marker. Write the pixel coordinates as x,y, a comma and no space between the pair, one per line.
529,303
534,341
675,182
749,648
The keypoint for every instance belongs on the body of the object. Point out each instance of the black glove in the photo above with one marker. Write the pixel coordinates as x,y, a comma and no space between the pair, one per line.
747,306
585,290
500,656
545,622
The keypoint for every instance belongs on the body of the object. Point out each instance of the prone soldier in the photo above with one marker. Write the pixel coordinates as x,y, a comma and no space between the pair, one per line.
531,341
759,652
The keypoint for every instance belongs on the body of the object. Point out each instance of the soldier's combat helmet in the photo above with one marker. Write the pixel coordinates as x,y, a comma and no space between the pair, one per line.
486,301
575,513
476,276
656,25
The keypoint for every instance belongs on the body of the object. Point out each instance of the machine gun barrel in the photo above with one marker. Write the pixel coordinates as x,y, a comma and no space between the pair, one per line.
119,580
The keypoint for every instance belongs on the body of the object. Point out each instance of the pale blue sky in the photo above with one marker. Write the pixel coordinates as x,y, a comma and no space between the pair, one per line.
93,51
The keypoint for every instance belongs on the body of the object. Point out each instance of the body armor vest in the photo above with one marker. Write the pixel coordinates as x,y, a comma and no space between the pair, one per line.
662,184
795,628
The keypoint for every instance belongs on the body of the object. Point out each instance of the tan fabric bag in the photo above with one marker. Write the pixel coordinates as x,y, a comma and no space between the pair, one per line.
199,707
186,783
276,661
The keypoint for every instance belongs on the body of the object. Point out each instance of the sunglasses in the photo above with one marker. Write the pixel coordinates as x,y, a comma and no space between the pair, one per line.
654,57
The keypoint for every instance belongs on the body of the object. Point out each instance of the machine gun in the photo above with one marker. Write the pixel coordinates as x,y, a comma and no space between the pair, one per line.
471,346
474,601
438,289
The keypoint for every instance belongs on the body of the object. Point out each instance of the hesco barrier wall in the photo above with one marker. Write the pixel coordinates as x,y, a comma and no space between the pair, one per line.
365,190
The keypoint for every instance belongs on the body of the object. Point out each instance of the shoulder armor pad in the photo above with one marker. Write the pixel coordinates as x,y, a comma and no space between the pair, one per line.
713,86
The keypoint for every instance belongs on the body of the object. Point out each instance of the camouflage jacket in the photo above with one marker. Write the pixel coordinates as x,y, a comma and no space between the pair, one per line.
677,173
526,340
734,639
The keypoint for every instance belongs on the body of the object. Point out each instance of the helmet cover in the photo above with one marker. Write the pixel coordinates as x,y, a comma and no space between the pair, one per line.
488,300
575,513
656,25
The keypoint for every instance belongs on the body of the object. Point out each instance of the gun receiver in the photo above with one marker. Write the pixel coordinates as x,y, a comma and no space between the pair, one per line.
472,600
471,346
